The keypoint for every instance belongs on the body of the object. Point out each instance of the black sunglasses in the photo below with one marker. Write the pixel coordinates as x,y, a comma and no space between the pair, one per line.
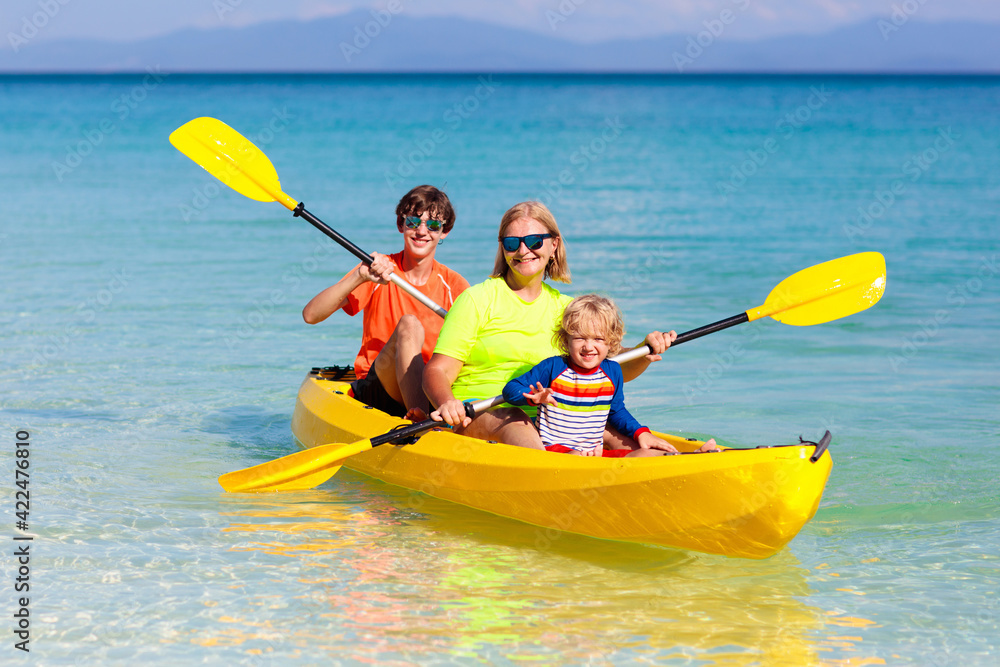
531,241
413,221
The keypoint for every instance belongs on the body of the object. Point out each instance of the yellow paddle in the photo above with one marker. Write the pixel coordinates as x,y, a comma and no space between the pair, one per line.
821,293
237,162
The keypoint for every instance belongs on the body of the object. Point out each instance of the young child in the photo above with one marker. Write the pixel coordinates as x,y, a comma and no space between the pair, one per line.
580,392
399,332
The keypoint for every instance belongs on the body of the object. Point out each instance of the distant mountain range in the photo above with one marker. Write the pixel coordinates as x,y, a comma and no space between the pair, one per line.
366,42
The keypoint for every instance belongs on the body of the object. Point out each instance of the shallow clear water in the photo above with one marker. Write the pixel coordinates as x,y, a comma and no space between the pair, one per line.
152,340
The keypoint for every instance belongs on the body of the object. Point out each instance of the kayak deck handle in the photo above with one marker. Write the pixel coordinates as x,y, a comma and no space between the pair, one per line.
821,446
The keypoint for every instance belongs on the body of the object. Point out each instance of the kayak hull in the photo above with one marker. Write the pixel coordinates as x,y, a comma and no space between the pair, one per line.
741,503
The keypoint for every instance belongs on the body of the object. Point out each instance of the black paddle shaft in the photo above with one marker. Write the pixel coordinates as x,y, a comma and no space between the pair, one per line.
301,212
406,432
711,328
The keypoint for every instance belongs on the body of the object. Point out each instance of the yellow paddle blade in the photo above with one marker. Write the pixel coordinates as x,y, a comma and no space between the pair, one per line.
827,291
231,158
298,471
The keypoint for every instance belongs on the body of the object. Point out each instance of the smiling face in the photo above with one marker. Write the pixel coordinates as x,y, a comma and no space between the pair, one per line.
591,329
556,266
529,264
421,242
587,349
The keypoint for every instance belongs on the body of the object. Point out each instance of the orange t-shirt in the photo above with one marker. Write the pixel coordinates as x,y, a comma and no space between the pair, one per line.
384,305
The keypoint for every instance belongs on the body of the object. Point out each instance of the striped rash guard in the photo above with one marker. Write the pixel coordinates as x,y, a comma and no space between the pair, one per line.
585,402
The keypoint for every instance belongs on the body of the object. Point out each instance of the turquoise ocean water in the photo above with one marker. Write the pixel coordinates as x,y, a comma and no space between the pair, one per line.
151,340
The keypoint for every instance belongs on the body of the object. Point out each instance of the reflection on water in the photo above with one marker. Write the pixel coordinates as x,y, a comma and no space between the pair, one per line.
390,581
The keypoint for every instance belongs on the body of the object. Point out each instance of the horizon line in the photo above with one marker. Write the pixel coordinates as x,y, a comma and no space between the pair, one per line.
524,73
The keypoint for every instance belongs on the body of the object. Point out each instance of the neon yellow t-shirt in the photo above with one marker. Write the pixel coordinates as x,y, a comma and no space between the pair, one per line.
498,336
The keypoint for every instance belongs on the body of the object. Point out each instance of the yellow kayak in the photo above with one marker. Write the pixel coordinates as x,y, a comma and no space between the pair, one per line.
747,503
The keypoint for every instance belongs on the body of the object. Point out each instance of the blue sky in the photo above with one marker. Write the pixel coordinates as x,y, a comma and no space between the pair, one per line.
585,20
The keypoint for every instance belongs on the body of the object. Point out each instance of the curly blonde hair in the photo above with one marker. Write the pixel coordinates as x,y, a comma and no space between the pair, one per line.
595,315
558,266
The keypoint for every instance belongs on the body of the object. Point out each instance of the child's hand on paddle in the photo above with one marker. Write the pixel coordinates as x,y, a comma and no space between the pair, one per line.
540,396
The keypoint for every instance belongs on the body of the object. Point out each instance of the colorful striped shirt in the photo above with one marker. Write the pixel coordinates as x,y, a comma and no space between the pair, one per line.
585,402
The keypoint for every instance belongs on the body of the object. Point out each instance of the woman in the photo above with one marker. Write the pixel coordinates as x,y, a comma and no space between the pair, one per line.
502,327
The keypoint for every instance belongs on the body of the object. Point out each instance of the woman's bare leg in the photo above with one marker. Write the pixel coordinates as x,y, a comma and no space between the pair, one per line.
506,425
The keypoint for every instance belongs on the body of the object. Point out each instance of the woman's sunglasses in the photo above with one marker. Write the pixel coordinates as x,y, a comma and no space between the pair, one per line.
531,241
413,221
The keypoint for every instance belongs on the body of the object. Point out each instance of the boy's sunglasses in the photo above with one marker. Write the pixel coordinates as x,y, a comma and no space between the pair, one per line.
413,221
531,241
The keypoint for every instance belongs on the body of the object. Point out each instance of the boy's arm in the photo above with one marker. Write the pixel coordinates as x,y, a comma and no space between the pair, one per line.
334,298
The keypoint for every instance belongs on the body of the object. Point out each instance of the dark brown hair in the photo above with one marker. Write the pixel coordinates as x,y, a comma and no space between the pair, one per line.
426,198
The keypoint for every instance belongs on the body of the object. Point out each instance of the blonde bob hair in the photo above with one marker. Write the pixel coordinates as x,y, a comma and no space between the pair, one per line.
591,315
558,267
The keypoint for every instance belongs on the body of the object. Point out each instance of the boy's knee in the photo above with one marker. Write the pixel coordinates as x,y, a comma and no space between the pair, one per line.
410,327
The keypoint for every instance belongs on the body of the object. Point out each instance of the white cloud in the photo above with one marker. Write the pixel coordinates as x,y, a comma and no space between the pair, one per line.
314,9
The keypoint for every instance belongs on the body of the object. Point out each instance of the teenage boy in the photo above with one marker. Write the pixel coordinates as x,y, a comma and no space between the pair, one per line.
399,332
